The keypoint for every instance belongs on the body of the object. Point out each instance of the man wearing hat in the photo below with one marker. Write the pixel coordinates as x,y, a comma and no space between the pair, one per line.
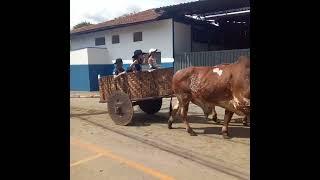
137,61
118,70
152,59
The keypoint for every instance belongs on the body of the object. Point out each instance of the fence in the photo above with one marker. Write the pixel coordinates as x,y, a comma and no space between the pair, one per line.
208,58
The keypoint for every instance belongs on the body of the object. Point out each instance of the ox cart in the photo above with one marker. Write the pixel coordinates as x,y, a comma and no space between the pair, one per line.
145,89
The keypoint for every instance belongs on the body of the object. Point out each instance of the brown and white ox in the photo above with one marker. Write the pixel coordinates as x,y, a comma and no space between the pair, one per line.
214,117
225,85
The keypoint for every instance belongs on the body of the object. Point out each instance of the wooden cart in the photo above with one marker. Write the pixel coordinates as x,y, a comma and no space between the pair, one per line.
145,89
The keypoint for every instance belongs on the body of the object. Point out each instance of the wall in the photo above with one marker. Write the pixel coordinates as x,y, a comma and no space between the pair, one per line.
85,65
85,40
99,63
99,56
79,79
156,34
182,38
86,61
79,57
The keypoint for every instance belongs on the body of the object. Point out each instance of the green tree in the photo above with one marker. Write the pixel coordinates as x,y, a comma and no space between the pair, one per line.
82,24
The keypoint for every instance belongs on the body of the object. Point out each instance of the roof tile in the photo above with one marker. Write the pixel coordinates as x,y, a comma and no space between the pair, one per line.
147,15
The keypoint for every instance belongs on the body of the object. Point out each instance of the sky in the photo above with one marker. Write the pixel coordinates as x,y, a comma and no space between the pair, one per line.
96,11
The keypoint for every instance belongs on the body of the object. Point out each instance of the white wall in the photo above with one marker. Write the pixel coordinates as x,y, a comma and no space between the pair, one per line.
85,40
79,57
89,56
156,34
98,56
182,37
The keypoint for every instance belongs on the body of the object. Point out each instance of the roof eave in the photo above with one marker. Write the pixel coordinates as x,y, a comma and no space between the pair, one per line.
116,26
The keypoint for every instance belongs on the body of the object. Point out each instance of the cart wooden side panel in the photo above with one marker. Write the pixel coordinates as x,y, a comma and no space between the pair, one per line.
163,80
138,85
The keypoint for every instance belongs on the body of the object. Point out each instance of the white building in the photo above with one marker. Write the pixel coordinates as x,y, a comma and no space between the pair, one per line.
93,51
94,48
157,34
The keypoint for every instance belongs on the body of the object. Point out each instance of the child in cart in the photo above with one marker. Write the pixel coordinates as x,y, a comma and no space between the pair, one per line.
152,59
118,70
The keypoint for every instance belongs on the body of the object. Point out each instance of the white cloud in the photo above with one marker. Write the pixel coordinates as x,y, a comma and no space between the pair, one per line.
96,11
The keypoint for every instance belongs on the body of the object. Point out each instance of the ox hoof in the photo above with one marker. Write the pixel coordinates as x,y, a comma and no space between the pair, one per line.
225,135
214,118
169,125
191,132
217,121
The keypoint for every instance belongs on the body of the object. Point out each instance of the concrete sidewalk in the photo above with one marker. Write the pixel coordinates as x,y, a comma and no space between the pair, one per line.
84,94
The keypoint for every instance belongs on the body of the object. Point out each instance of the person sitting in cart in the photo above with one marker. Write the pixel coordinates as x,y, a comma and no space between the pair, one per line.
152,59
137,61
118,70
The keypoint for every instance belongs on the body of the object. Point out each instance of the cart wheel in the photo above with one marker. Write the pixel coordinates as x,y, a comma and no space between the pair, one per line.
151,106
120,108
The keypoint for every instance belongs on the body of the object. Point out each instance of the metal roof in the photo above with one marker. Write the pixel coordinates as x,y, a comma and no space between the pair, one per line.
201,7
206,7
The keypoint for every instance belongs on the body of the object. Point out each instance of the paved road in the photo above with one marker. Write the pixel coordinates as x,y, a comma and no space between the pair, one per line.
148,150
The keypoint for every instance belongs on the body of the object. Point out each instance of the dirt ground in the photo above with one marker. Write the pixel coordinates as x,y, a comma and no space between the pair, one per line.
207,150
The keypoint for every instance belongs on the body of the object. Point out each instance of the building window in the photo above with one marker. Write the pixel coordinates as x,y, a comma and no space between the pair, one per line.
100,41
137,36
115,39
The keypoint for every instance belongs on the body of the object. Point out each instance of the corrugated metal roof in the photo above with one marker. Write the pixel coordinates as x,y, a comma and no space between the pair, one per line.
197,7
206,6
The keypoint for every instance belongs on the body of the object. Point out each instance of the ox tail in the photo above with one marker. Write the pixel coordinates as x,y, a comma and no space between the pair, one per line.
170,112
170,120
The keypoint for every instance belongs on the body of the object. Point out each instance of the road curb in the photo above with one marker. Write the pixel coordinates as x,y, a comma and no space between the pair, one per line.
87,96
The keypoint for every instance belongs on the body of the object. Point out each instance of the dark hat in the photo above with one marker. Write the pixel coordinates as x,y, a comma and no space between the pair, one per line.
119,60
137,53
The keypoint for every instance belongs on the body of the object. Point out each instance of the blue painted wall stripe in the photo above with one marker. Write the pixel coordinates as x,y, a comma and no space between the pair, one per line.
94,70
85,77
79,78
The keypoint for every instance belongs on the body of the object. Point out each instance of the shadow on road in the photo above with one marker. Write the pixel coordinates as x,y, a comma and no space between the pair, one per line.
88,113
236,128
238,132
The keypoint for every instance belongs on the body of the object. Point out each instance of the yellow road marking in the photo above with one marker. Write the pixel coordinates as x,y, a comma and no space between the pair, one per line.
109,154
86,159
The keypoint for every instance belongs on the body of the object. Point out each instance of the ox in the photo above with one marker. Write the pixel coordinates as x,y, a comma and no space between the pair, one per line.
214,118
225,85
